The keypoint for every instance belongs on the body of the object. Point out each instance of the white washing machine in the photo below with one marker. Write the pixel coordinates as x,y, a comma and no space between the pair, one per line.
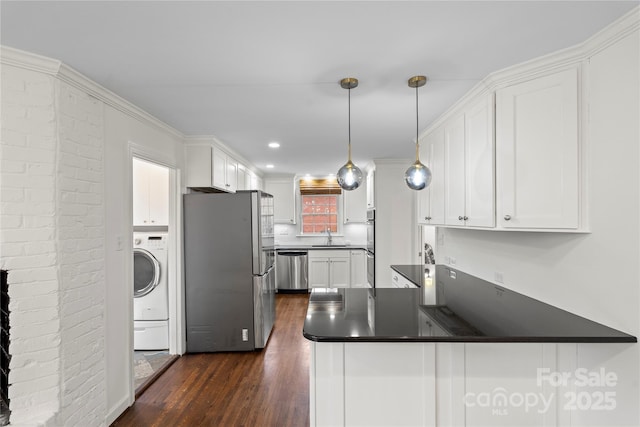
150,291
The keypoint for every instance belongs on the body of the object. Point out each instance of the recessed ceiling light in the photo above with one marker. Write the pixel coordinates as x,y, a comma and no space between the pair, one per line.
270,166
274,144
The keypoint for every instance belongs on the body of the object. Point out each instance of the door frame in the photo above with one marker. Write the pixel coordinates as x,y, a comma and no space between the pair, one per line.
177,337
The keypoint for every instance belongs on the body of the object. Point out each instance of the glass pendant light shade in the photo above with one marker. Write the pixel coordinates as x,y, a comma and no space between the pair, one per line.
349,176
418,176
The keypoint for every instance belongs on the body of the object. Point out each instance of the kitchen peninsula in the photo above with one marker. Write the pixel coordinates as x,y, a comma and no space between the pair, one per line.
381,356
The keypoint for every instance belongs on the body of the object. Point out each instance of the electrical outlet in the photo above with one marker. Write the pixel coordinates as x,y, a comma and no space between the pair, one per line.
453,261
245,335
499,278
447,260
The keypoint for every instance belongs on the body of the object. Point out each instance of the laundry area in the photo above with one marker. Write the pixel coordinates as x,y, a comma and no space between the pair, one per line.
150,270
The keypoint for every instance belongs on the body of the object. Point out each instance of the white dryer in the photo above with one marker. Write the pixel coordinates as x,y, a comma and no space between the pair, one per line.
150,291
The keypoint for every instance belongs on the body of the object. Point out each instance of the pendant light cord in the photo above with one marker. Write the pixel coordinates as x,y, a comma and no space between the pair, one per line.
417,129
349,124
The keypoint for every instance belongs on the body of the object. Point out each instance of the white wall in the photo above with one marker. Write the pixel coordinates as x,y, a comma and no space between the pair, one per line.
124,135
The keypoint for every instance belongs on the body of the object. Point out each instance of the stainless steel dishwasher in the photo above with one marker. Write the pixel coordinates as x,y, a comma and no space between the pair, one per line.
291,271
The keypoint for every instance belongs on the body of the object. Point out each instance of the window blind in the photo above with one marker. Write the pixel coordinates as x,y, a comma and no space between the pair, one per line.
319,186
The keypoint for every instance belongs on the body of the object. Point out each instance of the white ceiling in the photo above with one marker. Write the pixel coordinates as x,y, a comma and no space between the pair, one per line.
254,72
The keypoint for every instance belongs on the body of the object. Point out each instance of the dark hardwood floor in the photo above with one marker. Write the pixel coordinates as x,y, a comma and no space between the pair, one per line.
262,388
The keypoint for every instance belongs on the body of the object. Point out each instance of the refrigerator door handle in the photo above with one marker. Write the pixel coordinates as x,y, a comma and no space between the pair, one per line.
264,306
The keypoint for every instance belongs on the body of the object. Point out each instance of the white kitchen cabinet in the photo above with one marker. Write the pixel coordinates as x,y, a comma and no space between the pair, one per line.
318,272
244,178
225,171
469,166
329,268
358,269
370,183
247,180
537,153
256,182
150,194
454,171
399,281
354,203
284,200
430,201
480,164
210,167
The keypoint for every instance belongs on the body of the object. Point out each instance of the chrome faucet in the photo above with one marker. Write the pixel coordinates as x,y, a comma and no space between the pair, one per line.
329,237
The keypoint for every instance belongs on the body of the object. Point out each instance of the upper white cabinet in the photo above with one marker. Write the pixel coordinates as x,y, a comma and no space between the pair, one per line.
469,166
355,205
150,194
480,164
247,180
210,167
370,182
538,153
454,171
244,178
225,171
430,201
284,200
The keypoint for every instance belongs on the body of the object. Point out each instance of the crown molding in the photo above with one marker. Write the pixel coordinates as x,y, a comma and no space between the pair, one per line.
33,62
573,56
29,61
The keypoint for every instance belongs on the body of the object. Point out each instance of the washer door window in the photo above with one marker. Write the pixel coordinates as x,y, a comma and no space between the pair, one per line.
146,272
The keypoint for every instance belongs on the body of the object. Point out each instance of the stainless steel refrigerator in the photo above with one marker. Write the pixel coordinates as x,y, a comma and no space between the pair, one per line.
229,270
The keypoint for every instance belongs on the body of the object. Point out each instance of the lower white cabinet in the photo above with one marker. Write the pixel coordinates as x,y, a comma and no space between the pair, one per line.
399,281
471,384
329,268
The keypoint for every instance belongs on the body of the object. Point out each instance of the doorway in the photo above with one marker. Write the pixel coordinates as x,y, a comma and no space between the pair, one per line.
155,322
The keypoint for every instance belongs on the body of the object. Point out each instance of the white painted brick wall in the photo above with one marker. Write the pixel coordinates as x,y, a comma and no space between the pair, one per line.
80,228
52,243
27,233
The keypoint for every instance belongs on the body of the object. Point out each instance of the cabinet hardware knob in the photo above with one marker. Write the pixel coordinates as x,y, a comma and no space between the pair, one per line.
466,218
507,217
429,218
460,218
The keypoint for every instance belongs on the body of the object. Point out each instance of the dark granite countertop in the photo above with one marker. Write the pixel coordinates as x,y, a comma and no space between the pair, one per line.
458,307
415,273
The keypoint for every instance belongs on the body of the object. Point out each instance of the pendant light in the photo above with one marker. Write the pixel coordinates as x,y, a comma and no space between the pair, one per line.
418,176
349,176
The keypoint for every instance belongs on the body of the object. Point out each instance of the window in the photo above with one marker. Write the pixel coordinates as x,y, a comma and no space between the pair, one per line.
319,213
319,205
